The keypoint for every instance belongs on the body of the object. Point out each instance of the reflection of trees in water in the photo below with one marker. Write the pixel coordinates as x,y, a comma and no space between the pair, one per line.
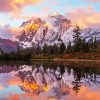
84,75
39,77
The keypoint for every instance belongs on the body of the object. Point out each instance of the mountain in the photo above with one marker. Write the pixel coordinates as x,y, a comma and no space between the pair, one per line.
91,32
7,45
38,80
53,80
50,30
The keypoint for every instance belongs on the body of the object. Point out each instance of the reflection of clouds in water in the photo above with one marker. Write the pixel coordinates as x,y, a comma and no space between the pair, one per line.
84,94
4,78
27,96
48,83
11,90
8,85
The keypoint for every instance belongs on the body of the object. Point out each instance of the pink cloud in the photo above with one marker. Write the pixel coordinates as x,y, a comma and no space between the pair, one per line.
7,32
16,5
84,17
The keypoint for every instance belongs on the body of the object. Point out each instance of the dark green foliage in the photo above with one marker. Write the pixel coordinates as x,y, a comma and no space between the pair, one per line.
19,55
85,46
1,51
38,50
50,49
55,49
77,39
45,49
69,48
94,44
62,48
91,43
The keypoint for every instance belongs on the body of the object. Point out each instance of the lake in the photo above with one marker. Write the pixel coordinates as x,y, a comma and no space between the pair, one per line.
47,80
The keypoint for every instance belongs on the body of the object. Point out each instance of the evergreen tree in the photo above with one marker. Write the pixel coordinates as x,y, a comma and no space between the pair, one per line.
45,49
95,45
18,52
2,53
91,44
38,49
69,48
55,49
62,48
33,49
85,46
77,39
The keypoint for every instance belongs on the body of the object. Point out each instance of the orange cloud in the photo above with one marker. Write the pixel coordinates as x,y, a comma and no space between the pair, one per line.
27,96
16,5
16,30
84,17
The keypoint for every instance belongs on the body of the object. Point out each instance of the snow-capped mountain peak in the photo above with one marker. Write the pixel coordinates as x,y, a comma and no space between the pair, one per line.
49,30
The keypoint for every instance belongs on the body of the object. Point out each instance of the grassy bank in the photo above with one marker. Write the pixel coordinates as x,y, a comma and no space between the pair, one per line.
92,56
76,56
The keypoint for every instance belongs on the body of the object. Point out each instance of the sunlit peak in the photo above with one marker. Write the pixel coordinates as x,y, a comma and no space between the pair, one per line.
55,14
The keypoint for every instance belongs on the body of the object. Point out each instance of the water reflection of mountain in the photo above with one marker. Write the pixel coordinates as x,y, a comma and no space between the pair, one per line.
53,80
37,79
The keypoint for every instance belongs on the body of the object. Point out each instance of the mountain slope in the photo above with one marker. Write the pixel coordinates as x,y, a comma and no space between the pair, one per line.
50,30
7,45
39,31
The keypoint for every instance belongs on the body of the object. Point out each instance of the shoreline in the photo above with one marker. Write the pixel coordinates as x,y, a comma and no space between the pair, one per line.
75,60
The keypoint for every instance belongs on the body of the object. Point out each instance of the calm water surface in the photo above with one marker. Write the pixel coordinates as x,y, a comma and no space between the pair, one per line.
49,81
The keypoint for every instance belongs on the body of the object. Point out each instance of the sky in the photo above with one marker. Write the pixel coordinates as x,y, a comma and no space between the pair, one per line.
13,12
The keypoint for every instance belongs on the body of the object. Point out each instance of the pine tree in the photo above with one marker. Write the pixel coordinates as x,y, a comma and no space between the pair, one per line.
62,48
18,52
55,49
85,46
38,49
45,49
91,44
77,39
95,45
69,48
2,53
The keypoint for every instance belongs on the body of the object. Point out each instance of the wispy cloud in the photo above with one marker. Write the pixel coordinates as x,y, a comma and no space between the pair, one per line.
7,32
84,17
